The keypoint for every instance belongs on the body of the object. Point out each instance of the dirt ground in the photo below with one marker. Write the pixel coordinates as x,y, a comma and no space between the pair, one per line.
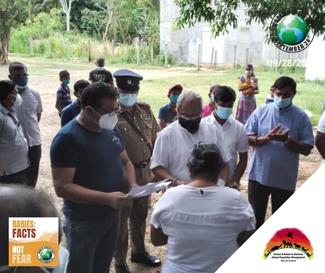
47,83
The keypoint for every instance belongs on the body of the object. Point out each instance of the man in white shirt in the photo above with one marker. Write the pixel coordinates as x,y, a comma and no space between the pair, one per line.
29,114
176,141
320,137
234,132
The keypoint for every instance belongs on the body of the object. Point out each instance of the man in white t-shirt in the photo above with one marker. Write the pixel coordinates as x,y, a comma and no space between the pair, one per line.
320,137
233,131
176,141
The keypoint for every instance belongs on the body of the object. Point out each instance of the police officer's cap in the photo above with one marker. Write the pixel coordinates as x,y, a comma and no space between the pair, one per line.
127,80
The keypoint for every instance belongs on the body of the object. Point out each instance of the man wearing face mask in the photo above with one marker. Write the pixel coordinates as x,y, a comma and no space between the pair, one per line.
167,113
139,129
29,110
279,132
234,132
14,161
175,142
89,160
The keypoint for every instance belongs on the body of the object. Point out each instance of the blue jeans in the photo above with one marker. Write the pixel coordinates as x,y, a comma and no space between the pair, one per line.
91,243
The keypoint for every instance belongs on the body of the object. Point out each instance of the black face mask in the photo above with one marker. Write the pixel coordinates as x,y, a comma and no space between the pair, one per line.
190,125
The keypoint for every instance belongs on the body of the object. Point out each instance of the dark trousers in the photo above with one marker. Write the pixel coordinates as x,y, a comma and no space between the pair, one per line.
137,213
91,244
34,154
258,196
16,178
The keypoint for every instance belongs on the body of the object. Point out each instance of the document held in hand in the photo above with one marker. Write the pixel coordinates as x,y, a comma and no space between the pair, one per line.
141,191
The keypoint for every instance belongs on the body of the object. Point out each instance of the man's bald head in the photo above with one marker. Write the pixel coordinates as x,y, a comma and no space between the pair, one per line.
189,104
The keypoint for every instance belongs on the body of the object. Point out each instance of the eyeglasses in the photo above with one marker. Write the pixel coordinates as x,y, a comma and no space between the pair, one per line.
189,118
104,112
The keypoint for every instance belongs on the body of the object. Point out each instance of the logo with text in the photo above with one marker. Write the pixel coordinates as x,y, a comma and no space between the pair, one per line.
33,241
289,245
290,32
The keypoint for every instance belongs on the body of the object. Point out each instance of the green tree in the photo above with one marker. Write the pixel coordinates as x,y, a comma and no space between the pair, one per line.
93,22
221,14
11,14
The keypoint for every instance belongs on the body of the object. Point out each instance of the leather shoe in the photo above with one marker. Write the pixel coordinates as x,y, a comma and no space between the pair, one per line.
122,268
146,259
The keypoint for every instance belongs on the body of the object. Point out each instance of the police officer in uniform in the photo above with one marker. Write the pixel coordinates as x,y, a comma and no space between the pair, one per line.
139,129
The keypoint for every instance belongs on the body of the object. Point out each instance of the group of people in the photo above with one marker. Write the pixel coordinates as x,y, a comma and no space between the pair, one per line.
110,142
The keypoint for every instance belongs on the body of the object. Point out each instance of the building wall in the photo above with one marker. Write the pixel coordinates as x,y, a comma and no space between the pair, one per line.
245,44
315,63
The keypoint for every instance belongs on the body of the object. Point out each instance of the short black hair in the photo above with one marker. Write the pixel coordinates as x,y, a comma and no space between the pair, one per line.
6,87
285,81
205,162
95,93
80,85
223,93
63,74
17,66
100,62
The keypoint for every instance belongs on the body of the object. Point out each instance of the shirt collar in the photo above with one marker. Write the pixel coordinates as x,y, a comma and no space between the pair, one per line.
5,110
135,109
284,110
226,124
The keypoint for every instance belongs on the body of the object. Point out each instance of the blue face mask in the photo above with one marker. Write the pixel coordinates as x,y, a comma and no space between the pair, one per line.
21,82
128,99
223,112
66,82
282,103
173,98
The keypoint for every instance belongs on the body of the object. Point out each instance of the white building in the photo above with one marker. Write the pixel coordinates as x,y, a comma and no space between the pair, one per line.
315,64
245,44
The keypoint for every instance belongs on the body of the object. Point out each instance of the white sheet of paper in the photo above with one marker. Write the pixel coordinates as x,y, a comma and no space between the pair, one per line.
141,191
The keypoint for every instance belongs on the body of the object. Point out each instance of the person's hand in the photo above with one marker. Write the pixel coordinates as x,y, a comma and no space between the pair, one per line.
279,135
233,184
262,140
117,199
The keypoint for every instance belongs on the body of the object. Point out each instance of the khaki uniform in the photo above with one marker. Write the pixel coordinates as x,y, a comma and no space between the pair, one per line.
139,154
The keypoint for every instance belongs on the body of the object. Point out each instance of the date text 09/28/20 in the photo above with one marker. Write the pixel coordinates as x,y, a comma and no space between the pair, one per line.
286,62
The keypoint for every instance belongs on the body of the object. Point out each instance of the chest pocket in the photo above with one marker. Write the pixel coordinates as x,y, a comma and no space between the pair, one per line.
145,122
30,105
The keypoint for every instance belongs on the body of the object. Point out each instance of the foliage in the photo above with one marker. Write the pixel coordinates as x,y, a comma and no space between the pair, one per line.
11,14
43,33
92,22
223,14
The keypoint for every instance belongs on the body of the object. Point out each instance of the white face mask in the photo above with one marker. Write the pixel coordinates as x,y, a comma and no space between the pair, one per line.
108,121
18,101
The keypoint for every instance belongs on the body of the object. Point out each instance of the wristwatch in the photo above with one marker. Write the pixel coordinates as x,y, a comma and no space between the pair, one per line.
287,141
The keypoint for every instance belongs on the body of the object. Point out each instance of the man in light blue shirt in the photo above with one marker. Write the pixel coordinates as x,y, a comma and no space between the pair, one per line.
278,132
13,145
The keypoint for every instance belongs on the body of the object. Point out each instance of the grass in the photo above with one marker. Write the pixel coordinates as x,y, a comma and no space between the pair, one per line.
310,95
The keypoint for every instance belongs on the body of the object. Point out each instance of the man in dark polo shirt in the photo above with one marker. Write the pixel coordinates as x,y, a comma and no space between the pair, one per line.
100,74
74,109
88,164
167,113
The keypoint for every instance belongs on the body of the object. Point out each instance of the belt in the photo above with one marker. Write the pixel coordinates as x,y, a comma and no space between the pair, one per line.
142,164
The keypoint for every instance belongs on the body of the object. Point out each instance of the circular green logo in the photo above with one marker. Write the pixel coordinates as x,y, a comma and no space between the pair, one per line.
292,29
46,254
